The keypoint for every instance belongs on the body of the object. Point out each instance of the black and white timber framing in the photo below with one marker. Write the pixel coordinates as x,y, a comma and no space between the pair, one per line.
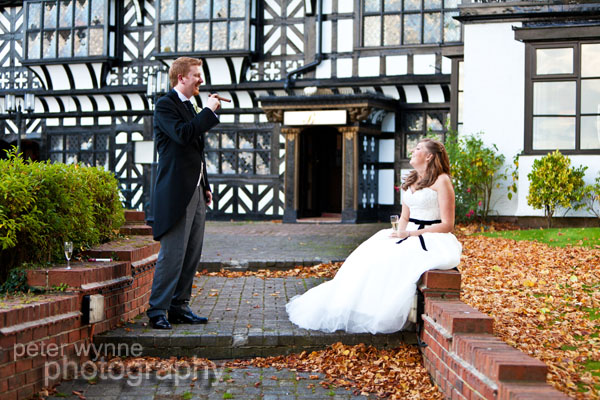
392,87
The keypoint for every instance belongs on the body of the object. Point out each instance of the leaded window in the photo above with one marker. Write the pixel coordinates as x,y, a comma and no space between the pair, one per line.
419,124
409,22
80,147
192,26
69,29
239,152
564,97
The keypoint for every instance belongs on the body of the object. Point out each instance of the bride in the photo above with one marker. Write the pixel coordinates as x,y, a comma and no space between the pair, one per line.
373,291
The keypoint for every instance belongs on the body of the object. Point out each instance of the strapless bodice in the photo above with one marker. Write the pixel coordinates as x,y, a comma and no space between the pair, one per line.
423,204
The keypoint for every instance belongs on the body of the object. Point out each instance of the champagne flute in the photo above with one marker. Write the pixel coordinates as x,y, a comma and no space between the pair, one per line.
394,219
68,253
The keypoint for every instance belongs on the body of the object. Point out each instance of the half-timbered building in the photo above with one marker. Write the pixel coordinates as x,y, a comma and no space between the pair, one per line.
328,96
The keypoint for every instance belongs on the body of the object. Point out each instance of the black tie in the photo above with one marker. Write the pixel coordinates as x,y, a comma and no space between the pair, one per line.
190,107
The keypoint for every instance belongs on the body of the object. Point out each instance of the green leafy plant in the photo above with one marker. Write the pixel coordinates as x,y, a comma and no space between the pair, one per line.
61,287
474,169
554,183
591,197
16,282
514,173
43,204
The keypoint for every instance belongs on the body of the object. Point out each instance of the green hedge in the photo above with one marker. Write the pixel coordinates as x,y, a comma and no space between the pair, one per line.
43,204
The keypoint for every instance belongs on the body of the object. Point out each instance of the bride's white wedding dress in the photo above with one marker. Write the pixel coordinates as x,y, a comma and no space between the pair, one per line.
373,291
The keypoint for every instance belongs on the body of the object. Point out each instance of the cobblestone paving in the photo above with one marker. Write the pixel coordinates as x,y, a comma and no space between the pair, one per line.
268,244
247,318
220,383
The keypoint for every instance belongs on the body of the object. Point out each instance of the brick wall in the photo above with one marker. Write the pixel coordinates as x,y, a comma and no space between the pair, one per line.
462,355
43,340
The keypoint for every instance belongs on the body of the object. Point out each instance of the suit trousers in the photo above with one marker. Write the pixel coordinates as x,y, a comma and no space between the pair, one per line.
178,259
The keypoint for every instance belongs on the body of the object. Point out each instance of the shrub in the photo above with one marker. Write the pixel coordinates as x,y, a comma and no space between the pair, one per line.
43,204
592,197
474,169
553,183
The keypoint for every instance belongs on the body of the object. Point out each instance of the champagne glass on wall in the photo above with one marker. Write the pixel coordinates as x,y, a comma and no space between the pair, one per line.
68,253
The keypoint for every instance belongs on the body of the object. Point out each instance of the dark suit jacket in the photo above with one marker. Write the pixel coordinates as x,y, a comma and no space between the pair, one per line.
180,143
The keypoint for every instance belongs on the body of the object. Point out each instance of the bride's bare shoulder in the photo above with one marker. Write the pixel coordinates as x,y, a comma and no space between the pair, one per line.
442,181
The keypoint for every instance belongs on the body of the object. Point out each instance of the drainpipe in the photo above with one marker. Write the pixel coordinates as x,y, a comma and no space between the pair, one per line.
289,80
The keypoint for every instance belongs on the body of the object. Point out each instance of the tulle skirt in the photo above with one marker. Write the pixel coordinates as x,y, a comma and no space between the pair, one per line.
374,289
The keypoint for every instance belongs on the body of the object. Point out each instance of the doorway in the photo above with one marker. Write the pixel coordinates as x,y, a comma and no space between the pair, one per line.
320,173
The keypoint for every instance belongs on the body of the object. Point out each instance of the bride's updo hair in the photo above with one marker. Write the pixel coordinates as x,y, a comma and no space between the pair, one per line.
439,164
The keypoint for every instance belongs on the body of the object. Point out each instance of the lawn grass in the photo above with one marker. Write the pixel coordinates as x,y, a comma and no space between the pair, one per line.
559,237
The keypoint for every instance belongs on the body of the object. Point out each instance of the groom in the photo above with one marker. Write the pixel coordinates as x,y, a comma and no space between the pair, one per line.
180,195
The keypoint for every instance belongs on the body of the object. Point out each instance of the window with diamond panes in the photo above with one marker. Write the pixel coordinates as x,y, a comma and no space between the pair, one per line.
68,29
238,153
409,22
417,125
87,148
192,26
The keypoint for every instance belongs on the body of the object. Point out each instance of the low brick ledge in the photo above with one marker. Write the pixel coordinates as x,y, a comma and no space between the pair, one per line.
11,330
466,360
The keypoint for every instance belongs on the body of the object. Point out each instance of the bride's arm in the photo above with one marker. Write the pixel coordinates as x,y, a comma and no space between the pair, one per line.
445,191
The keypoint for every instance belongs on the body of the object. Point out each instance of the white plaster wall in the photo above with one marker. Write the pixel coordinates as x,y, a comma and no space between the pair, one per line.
494,95
494,76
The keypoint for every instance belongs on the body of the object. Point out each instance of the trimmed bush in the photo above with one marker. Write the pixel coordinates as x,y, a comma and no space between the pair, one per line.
553,183
43,204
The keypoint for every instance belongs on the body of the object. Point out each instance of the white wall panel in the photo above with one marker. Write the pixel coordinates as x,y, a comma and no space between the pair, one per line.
386,150
327,37
424,64
344,67
413,94
219,71
324,70
396,65
389,122
345,35
368,66
59,78
386,186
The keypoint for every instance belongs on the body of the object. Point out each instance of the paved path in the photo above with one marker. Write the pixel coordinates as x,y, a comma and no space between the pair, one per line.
217,384
246,318
276,245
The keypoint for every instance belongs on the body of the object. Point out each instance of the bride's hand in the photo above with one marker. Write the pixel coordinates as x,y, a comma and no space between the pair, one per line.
402,234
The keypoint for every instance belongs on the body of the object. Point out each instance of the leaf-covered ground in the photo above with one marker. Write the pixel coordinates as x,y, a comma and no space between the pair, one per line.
544,300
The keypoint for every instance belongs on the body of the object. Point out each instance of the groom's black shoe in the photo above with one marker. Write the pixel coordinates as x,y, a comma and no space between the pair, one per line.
186,317
160,322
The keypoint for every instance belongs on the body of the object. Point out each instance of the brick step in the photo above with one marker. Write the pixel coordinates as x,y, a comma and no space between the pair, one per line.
133,248
497,360
41,307
81,275
457,317
133,217
440,283
136,229
529,391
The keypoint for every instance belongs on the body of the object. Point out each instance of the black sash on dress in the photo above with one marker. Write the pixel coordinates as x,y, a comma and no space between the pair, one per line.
422,225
